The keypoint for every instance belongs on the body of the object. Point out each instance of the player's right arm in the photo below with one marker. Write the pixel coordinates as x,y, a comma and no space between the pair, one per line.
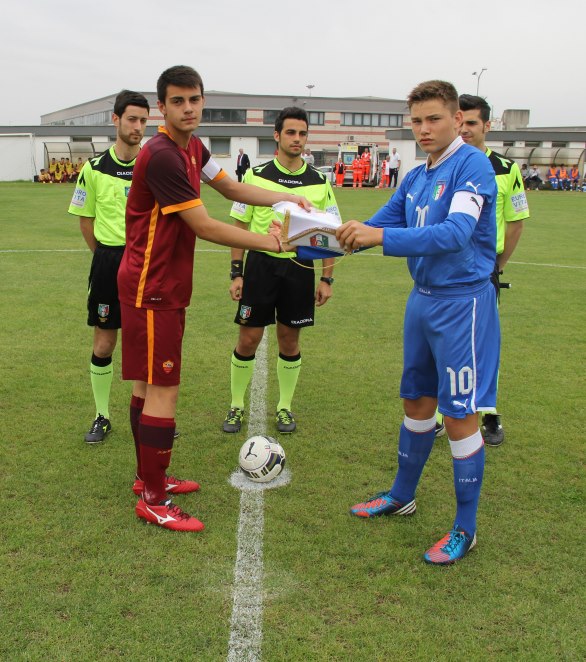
237,263
208,228
86,225
83,205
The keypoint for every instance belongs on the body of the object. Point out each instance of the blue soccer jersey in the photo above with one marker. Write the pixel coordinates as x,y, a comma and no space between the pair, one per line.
449,211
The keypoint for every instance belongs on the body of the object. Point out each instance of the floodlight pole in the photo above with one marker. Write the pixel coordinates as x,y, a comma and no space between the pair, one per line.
478,74
310,87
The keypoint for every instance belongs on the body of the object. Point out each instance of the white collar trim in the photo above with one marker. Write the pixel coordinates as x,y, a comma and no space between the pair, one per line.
452,148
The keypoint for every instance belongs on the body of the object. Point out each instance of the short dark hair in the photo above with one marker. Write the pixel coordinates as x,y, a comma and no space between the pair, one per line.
293,113
179,75
471,102
434,89
129,98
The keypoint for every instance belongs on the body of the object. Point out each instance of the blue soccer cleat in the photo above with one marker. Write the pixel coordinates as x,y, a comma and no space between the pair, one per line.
383,504
451,548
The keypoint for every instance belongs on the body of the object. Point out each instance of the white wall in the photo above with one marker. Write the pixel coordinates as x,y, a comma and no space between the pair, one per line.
406,149
17,160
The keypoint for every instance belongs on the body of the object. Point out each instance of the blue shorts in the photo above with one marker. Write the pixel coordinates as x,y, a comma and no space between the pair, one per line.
451,348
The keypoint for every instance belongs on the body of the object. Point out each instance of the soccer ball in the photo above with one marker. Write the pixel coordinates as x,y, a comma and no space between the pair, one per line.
261,458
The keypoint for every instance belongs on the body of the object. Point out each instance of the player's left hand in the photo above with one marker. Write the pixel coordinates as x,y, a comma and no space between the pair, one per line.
323,293
354,234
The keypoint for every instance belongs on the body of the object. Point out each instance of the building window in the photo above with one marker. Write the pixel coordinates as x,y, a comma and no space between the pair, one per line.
557,143
368,119
508,143
266,147
532,143
269,116
419,153
220,146
223,116
316,118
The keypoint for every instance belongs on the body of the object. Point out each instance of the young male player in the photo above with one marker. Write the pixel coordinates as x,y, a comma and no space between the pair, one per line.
163,217
99,200
271,281
442,218
511,210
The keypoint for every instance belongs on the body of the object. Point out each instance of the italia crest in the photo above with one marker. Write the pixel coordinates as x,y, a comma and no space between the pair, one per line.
320,240
438,190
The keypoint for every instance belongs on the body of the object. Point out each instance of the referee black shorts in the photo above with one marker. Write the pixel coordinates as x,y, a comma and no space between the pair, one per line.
103,306
273,284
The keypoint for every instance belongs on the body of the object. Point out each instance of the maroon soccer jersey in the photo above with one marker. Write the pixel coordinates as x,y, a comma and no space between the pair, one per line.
157,268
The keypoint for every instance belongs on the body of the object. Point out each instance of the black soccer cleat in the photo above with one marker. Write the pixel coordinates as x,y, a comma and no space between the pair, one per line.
492,430
100,428
285,421
233,421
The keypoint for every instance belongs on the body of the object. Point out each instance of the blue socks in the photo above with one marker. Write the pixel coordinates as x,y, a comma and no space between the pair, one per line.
468,458
415,443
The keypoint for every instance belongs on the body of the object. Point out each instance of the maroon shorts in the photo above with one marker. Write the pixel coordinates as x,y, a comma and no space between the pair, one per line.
151,345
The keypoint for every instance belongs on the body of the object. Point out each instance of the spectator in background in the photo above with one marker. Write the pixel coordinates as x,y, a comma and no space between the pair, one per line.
59,172
553,177
525,174
308,157
574,177
53,169
388,171
339,170
70,171
384,174
45,177
365,158
534,180
564,179
357,172
242,164
394,165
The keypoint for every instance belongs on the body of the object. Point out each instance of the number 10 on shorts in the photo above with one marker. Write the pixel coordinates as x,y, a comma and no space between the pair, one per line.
464,378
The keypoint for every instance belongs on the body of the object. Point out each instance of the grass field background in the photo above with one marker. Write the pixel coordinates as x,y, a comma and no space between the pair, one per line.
83,579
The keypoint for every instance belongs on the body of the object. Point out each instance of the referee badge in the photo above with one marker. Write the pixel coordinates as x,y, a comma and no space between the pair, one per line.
245,312
103,311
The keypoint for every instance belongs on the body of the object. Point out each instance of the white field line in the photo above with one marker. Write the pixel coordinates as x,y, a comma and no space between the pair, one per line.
219,250
245,643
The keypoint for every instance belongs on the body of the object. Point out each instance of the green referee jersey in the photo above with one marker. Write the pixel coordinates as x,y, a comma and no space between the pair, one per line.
511,203
307,181
101,192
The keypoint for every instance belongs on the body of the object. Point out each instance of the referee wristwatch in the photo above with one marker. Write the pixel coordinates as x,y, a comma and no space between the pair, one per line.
235,269
327,279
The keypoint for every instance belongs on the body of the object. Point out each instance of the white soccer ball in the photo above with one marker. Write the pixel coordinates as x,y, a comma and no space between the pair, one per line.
261,458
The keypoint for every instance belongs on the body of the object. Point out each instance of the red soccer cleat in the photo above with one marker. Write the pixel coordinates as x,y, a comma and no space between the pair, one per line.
168,515
174,486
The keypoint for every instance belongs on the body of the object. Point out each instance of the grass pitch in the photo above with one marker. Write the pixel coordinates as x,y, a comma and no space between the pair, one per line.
83,579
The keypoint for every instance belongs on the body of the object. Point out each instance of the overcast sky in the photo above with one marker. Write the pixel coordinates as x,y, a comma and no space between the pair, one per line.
55,54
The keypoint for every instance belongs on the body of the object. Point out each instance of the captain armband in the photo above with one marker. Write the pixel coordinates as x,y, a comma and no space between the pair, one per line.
467,202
